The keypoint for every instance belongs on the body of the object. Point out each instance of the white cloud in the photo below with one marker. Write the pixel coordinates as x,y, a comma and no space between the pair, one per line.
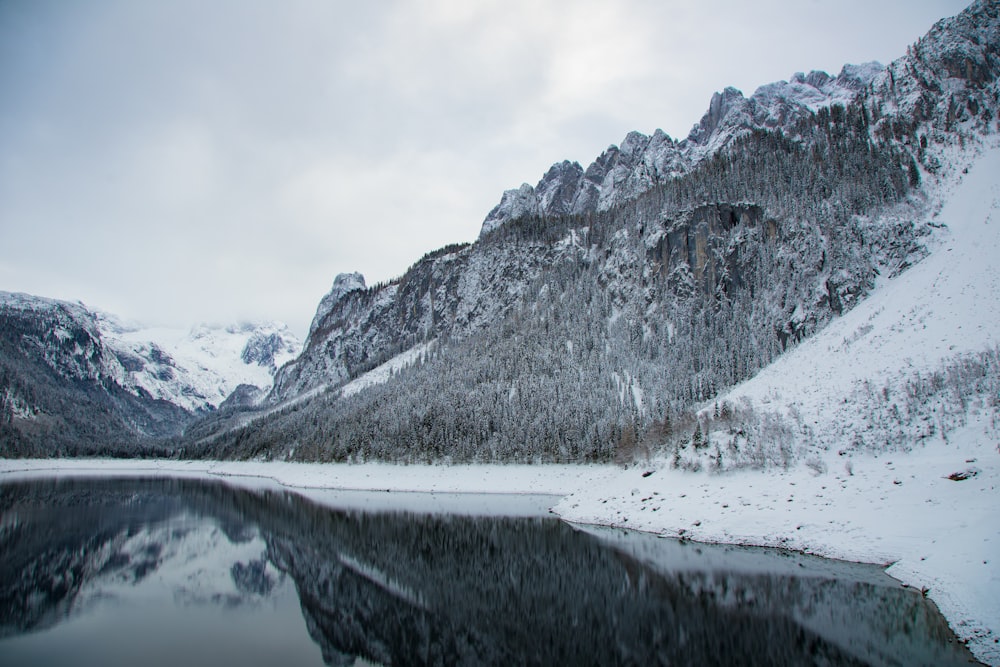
177,164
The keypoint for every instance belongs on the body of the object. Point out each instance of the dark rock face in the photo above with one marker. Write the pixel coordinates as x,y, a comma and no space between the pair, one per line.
703,241
261,349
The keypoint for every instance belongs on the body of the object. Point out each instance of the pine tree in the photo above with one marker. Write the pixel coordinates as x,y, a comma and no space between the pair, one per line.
697,440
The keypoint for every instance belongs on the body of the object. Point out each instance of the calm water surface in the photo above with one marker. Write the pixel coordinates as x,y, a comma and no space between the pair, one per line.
190,572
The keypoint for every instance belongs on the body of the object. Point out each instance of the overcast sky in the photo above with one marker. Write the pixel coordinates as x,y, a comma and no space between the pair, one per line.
179,161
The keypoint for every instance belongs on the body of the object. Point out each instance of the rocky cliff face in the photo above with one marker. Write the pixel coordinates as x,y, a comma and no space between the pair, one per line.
452,292
702,242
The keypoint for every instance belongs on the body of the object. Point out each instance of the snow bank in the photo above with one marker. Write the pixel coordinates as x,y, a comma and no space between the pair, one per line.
897,509
554,480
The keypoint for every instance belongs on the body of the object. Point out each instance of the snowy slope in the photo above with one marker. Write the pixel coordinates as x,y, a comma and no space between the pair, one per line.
381,374
861,497
198,368
944,306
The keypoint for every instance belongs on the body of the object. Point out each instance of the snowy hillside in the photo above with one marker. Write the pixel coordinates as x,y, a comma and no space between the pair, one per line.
887,478
199,368
943,309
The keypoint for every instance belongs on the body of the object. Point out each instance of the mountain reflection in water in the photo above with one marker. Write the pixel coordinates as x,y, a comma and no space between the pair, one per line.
108,571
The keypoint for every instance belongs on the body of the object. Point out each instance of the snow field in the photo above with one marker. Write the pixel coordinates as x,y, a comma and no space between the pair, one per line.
206,361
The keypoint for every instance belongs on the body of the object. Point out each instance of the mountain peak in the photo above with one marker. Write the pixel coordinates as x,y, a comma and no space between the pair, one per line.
348,282
343,284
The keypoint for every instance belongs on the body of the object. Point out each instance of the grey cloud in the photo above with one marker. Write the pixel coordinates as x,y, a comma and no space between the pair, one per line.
185,161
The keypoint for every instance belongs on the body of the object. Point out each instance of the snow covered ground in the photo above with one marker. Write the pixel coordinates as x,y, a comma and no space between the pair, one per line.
554,480
944,306
900,510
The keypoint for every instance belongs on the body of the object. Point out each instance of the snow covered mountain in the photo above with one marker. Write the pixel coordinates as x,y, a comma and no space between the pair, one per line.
199,368
895,410
597,308
72,375
600,307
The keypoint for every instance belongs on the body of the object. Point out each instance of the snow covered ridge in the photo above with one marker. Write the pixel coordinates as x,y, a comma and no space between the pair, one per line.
624,172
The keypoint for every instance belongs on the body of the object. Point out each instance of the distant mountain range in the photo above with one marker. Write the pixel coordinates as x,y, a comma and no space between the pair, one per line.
596,312
78,380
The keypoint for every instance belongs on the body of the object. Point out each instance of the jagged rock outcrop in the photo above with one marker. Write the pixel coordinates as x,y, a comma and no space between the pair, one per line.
641,162
343,284
700,245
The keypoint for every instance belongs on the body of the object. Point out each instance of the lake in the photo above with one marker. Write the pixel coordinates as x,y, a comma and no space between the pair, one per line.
165,571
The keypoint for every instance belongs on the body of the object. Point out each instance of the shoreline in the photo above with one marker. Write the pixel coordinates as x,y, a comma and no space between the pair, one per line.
843,517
